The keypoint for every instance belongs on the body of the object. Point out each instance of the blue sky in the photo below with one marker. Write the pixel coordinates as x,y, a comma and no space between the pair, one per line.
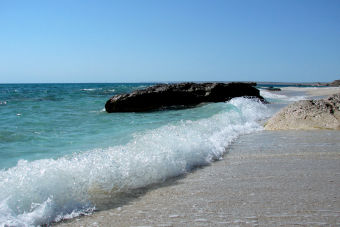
169,40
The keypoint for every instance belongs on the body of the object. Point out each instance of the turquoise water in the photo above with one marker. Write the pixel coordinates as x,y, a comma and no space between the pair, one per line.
51,120
60,150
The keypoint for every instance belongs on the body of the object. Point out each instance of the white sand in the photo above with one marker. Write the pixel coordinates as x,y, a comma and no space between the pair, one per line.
314,91
266,179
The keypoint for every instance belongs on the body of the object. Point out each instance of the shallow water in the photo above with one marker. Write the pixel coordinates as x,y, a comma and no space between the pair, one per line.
60,151
266,178
52,120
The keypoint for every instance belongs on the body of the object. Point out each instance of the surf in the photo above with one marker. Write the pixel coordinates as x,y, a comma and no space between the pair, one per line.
49,190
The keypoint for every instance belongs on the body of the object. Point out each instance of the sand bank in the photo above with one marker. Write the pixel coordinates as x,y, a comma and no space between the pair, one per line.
314,91
266,179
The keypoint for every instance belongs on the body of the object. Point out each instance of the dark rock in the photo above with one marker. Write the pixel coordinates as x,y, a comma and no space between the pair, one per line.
273,88
335,83
180,94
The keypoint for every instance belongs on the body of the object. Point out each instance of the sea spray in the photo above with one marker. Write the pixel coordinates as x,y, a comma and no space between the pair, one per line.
47,190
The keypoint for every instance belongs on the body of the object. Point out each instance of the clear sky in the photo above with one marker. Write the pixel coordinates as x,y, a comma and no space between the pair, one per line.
169,40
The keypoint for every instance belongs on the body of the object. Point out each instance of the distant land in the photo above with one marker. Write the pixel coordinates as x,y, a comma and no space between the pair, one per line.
335,83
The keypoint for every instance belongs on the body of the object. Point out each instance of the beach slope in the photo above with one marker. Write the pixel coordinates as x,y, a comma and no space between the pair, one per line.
269,178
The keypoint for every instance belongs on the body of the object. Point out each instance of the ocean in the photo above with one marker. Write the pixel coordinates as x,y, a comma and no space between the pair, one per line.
62,155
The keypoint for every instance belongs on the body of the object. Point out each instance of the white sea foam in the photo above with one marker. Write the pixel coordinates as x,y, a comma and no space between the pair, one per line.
89,89
280,97
43,191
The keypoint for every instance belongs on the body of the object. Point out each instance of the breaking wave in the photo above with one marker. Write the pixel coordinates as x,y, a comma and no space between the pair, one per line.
49,190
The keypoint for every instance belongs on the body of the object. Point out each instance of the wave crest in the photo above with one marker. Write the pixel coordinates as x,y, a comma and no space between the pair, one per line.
48,190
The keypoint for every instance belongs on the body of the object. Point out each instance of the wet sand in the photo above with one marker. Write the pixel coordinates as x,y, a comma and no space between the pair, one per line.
288,178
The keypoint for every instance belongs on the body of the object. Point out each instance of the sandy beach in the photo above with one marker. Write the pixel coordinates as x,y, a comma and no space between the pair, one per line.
290,179
269,178
314,91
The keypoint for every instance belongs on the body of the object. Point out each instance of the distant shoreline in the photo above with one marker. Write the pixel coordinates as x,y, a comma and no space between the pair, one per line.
315,91
295,84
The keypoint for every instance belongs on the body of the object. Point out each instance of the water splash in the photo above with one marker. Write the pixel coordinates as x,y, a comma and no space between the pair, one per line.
47,190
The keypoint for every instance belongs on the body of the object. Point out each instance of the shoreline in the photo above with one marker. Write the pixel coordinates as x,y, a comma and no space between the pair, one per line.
314,91
290,178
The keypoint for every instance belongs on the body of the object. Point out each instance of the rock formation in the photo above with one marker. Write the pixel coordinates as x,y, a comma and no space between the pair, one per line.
335,83
271,88
180,94
308,114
